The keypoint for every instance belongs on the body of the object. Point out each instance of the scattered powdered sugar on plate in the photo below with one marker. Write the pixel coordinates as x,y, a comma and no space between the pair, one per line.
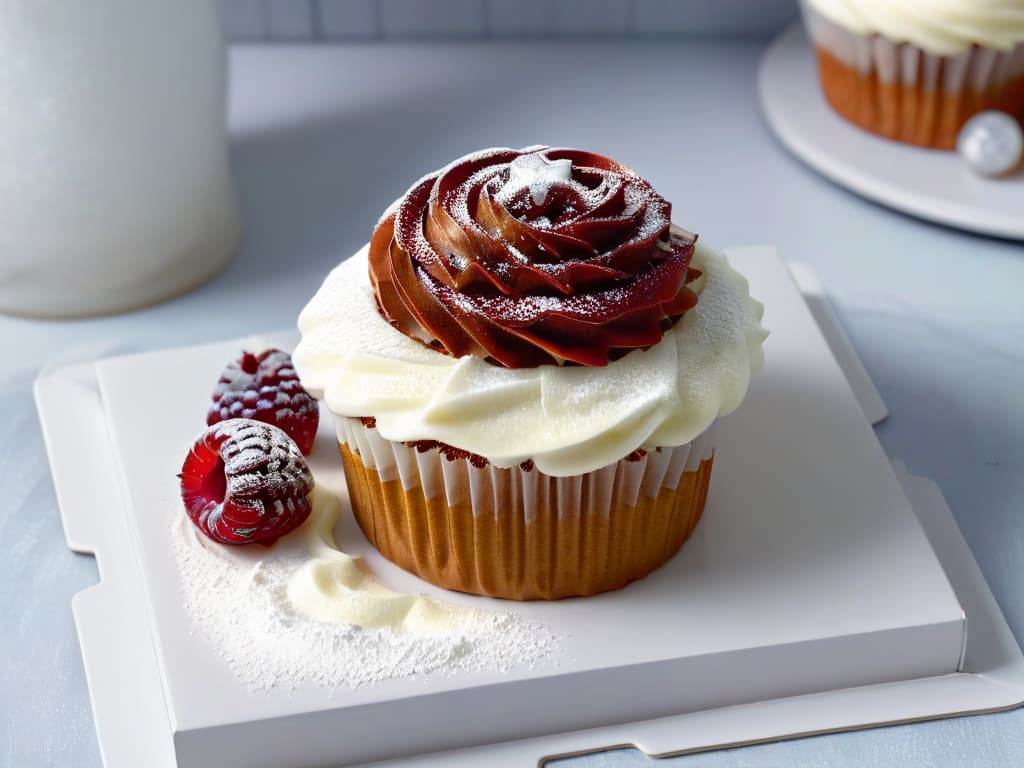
238,598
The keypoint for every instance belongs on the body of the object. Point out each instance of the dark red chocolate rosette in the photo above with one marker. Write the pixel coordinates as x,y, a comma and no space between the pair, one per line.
530,257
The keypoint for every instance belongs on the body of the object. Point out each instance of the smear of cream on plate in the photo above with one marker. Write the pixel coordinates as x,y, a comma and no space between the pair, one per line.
337,588
302,610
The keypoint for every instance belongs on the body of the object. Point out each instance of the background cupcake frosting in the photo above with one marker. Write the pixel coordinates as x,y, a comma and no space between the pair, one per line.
944,27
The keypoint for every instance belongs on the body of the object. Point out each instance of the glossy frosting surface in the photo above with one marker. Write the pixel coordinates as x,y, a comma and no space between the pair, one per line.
532,257
567,419
945,27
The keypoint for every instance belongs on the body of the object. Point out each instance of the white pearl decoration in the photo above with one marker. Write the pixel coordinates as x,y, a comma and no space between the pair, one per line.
991,143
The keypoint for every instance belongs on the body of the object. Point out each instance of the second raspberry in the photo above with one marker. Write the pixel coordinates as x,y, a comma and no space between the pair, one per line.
266,388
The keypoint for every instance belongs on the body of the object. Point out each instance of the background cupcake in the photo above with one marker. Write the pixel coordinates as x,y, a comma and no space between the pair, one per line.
916,70
524,366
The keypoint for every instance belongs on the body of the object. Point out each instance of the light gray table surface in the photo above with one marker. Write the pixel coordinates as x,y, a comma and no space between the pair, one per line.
323,138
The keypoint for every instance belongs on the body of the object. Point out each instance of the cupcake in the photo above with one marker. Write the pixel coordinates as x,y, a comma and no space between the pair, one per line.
916,70
525,365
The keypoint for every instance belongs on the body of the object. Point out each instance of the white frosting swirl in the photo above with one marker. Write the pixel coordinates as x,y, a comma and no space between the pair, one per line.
569,420
943,27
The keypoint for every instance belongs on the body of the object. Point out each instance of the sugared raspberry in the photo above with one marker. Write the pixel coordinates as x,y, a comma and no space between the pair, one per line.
265,387
245,481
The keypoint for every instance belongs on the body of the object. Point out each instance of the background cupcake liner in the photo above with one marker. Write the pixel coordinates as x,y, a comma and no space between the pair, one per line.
902,92
518,533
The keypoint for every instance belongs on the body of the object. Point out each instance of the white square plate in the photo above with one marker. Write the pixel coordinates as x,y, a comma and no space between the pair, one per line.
810,573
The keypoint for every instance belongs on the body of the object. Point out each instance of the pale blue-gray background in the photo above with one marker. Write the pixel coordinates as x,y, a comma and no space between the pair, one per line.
324,137
364,20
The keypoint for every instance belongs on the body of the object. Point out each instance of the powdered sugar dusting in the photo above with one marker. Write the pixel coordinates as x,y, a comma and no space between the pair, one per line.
238,597
457,202
259,455
519,255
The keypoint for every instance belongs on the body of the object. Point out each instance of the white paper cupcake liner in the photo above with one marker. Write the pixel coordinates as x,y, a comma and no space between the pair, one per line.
978,68
906,93
517,532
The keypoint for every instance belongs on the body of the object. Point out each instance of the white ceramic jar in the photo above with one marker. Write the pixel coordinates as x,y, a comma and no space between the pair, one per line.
115,190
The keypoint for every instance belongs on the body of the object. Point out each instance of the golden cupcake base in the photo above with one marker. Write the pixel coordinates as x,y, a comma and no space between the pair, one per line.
910,112
559,550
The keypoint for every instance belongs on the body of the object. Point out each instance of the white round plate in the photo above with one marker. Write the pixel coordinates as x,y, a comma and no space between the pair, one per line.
932,184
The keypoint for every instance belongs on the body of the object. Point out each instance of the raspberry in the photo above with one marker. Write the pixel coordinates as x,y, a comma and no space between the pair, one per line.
245,481
265,387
